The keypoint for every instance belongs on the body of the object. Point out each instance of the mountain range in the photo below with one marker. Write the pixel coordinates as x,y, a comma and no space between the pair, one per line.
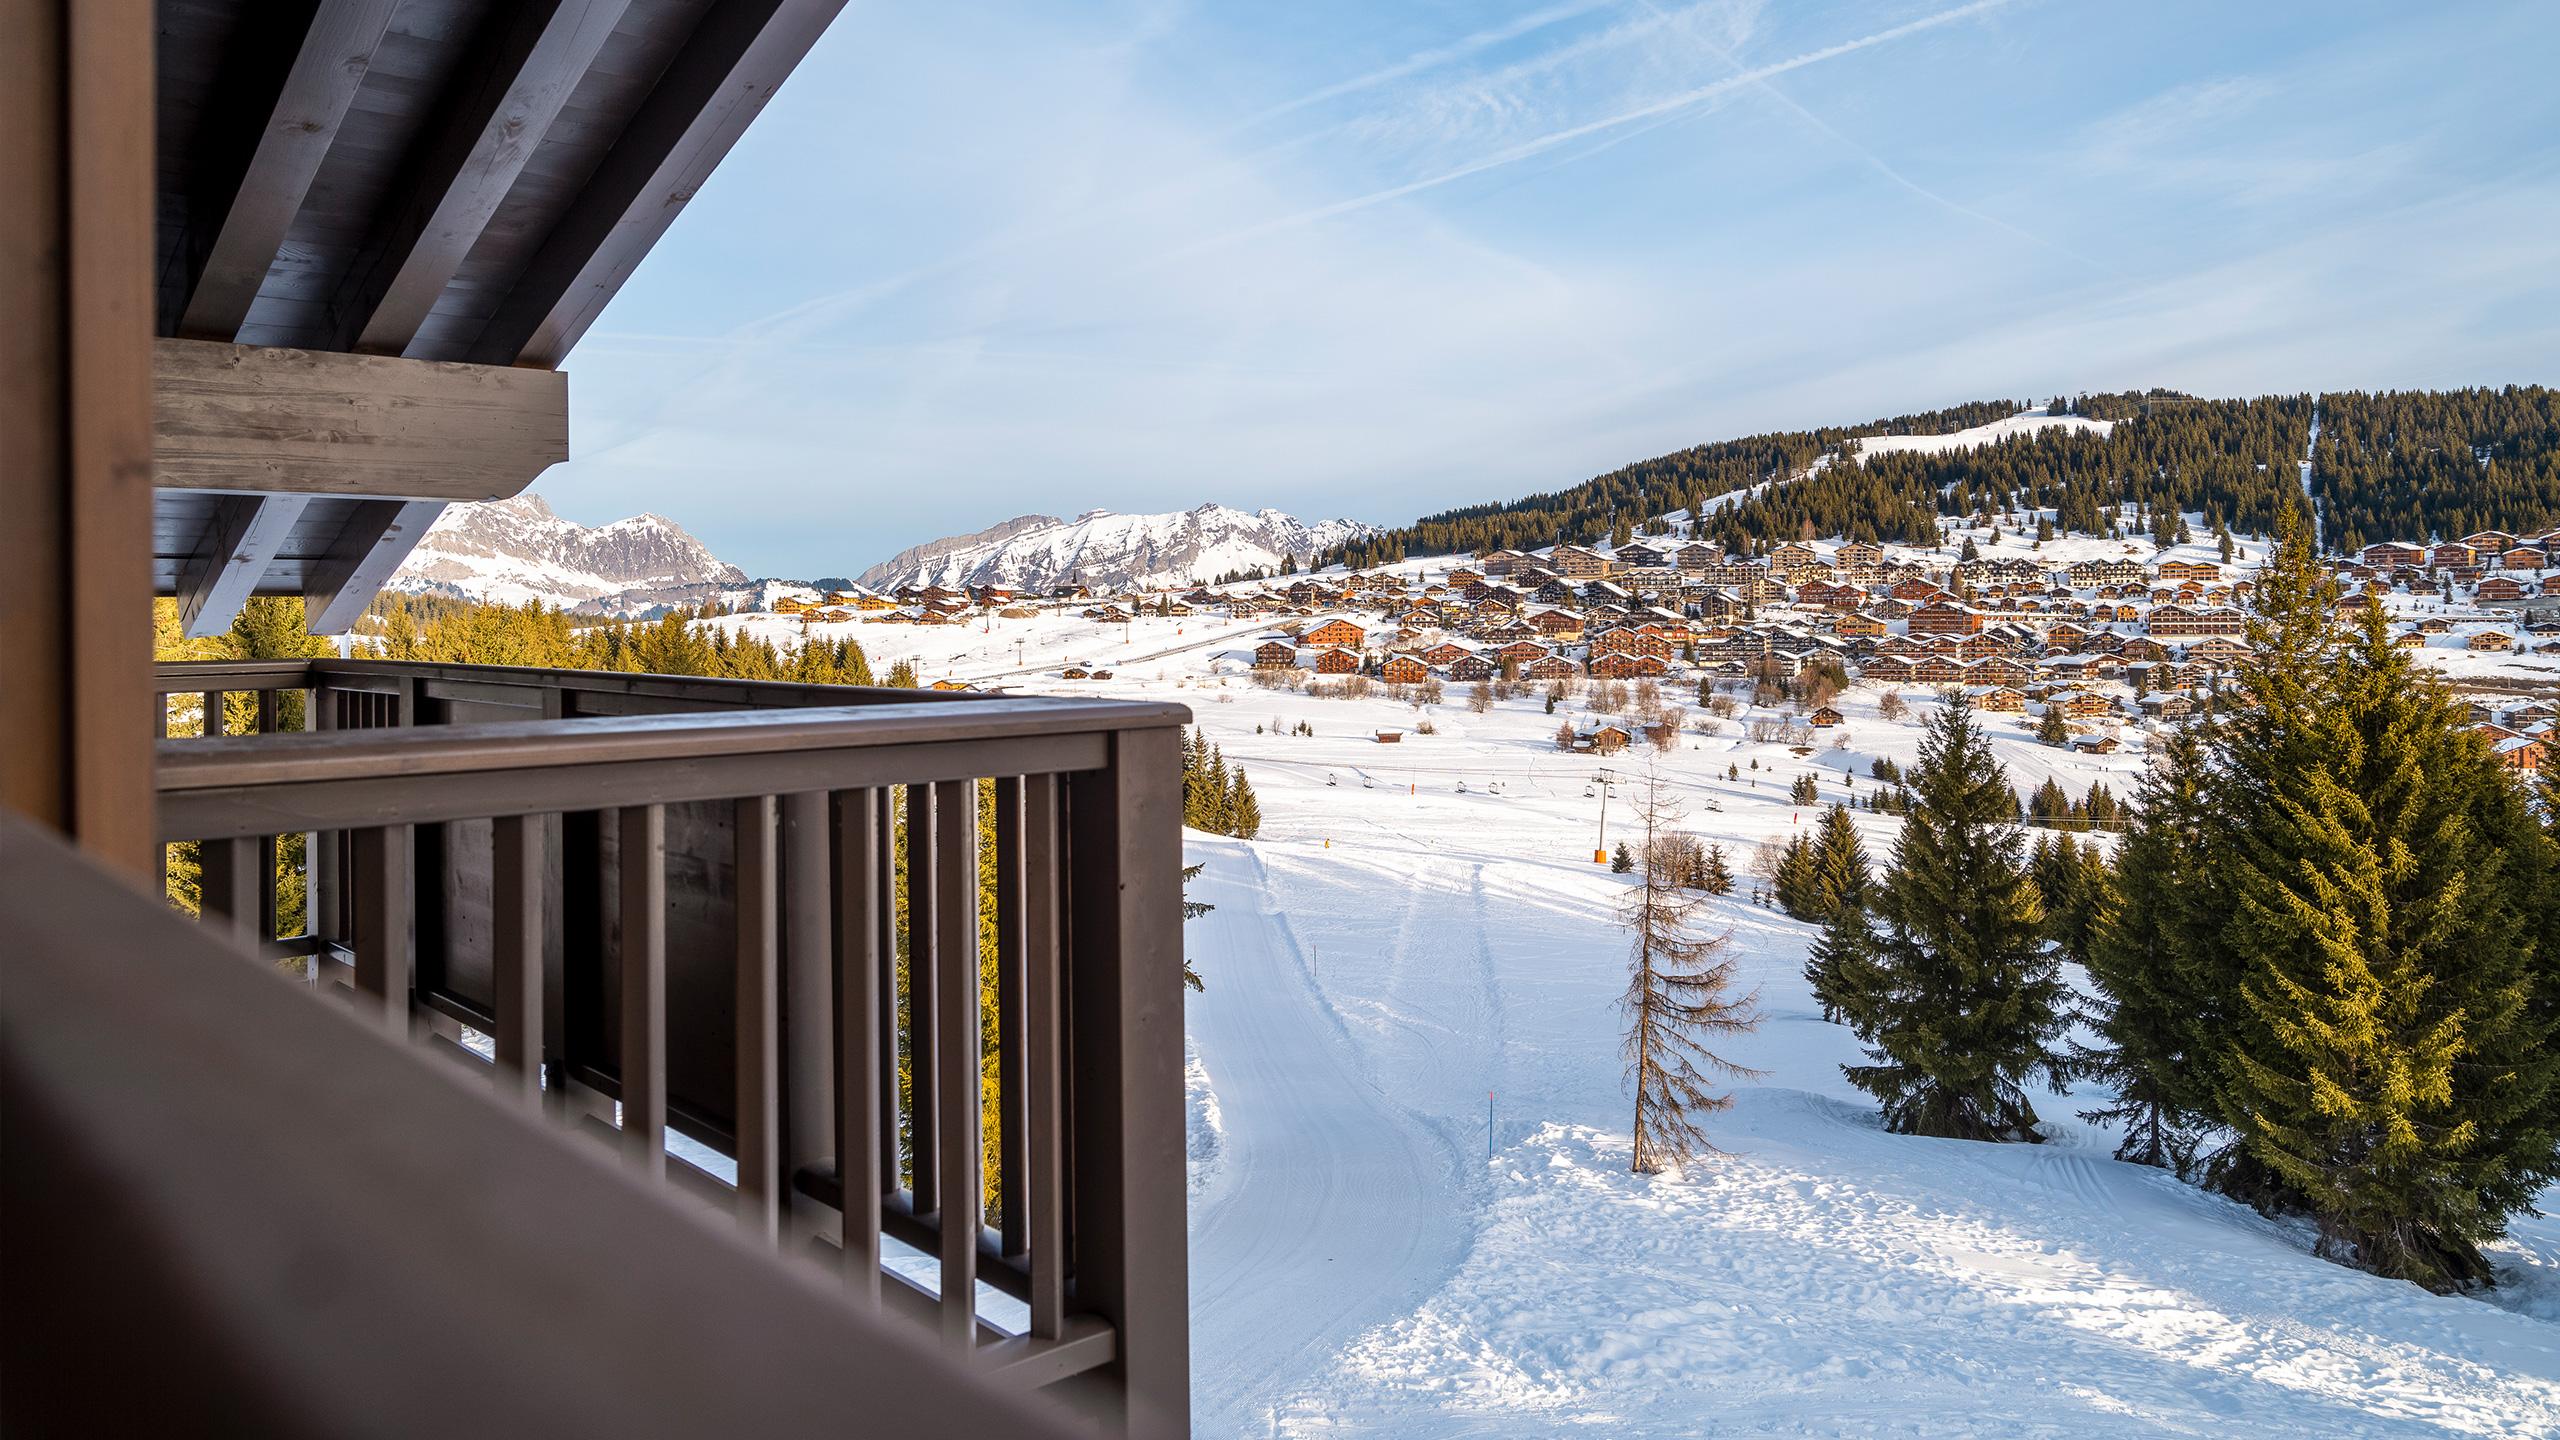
512,551
1199,546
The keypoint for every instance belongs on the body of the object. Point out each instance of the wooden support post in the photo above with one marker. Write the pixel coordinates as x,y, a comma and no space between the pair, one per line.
1124,973
77,245
759,1102
644,989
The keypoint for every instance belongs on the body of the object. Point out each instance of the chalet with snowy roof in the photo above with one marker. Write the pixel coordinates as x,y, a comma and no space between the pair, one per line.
1337,633
1946,618
1404,670
1574,562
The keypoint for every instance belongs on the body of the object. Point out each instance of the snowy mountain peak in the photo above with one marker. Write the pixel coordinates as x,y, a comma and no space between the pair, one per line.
512,551
1102,548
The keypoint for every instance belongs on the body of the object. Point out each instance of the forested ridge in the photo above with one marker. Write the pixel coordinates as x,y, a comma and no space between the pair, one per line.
2389,465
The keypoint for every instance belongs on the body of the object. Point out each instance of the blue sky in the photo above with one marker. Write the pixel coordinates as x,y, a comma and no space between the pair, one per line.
1367,258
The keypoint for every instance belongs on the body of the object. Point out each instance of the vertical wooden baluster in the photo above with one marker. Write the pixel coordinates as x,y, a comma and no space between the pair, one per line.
1043,1094
759,1032
515,903
269,717
1124,1007
924,1163
324,853
227,889
885,938
858,966
956,1087
211,725
644,988
381,899
1009,922
163,731
807,1013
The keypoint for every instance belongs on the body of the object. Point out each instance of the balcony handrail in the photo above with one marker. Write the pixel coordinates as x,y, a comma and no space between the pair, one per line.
317,1234
750,915
316,780
176,677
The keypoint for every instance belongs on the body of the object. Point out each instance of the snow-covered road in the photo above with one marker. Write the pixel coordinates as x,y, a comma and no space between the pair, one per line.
1331,1210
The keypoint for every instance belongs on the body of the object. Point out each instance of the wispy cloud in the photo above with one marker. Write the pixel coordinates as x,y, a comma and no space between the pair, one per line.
1555,139
1433,58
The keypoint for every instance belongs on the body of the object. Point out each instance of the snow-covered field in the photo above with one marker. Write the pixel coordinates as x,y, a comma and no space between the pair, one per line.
1411,1214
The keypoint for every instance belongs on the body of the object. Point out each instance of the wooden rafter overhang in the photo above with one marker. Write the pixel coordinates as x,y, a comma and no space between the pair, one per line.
383,224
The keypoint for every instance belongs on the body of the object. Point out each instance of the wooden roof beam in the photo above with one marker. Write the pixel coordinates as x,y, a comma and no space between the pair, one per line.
505,100
219,578
330,64
378,537
261,418
737,57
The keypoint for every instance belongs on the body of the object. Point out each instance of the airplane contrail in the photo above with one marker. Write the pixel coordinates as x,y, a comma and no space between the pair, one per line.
1539,145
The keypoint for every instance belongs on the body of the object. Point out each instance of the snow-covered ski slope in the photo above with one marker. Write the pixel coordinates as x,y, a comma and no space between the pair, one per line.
2025,422
1390,953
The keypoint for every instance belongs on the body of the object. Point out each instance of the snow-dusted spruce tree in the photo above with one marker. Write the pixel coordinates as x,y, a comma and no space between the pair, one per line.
1680,998
2167,897
2389,897
1971,1003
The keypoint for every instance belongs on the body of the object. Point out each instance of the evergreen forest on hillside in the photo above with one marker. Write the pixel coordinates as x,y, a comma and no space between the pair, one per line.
2390,465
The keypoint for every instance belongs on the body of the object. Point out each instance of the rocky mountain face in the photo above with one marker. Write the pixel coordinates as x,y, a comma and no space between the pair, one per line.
512,551
1106,550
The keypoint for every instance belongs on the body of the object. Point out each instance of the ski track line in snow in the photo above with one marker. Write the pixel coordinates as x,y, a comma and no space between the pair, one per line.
1322,1176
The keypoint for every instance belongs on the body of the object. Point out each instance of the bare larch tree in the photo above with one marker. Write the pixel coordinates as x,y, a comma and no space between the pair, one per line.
1680,996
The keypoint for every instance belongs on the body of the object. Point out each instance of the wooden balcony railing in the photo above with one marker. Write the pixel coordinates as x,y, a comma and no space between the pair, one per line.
891,977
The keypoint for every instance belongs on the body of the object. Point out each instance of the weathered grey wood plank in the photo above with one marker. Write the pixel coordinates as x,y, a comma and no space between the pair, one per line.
253,418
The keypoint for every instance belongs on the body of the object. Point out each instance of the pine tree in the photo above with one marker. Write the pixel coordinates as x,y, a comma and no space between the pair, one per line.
1971,1004
1805,791
1797,884
2148,957
1842,876
1842,968
1623,861
1680,999
2054,728
1715,872
1192,910
2408,1090
1244,814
